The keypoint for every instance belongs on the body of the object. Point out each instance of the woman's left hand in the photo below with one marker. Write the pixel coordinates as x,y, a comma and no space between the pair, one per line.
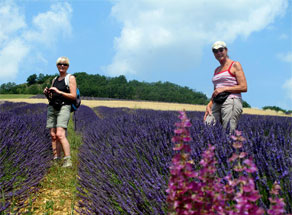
217,91
55,90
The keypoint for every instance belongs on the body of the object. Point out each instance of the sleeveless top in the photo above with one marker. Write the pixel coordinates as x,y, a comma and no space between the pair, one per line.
225,79
57,98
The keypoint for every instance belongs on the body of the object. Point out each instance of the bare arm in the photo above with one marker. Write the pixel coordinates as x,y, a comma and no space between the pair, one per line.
208,109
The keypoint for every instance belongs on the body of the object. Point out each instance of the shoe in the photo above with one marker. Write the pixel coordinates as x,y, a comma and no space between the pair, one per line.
67,162
56,161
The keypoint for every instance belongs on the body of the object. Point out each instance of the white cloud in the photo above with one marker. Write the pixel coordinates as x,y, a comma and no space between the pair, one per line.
10,58
11,21
12,50
286,57
18,38
48,26
169,35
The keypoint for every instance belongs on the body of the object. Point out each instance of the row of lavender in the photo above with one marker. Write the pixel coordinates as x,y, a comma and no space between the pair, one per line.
126,155
24,152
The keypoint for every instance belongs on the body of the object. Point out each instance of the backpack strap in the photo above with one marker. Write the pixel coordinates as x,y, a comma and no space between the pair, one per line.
67,77
53,81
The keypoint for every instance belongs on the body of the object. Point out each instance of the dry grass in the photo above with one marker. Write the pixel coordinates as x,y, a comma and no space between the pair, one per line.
48,201
150,105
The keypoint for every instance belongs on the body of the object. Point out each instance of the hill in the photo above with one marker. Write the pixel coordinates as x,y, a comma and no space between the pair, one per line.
95,85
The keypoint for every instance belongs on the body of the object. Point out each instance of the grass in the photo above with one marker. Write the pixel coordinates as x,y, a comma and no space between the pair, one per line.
15,96
57,193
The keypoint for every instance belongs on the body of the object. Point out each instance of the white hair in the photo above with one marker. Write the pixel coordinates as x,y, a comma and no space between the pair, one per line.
63,60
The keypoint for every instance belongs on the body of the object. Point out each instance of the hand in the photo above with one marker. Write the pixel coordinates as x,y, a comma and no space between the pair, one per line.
55,89
208,111
46,90
217,91
48,93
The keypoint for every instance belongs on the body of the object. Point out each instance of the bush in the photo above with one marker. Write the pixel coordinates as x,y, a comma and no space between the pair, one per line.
203,192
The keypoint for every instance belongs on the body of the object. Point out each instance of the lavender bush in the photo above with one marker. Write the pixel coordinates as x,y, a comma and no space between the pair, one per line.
25,152
193,192
125,159
126,175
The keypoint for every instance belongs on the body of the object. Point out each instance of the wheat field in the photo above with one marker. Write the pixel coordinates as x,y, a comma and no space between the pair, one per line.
149,105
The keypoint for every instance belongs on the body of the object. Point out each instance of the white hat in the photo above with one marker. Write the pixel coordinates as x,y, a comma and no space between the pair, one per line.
219,44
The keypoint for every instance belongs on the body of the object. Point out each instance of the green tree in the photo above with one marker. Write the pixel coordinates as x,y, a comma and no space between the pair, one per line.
34,89
41,78
245,104
275,108
32,79
8,88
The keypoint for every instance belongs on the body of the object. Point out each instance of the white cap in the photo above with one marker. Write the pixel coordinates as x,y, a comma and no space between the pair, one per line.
219,44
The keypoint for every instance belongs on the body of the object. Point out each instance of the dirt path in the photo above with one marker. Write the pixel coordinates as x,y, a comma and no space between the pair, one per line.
58,189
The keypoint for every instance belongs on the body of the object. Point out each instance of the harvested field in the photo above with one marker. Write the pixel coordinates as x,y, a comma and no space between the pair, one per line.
149,105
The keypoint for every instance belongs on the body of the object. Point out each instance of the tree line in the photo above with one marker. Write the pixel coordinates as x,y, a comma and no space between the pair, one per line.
95,85
278,109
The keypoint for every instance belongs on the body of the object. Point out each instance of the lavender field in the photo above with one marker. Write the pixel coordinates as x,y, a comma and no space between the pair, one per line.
24,153
124,159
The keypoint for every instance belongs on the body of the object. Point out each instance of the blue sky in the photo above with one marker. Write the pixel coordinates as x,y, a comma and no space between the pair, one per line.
150,40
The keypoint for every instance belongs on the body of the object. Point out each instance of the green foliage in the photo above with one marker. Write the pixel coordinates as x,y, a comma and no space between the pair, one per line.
9,87
245,104
119,88
278,109
33,89
35,85
166,92
95,85
41,78
32,79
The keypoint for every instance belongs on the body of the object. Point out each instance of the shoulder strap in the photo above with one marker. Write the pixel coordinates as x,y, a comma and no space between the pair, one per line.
216,70
67,77
230,65
53,81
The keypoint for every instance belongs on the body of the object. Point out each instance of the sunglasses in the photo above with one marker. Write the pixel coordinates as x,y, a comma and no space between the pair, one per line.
62,64
215,51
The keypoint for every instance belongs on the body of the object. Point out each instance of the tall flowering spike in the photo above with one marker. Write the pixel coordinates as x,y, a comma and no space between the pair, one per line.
182,134
193,192
179,187
202,192
247,195
277,206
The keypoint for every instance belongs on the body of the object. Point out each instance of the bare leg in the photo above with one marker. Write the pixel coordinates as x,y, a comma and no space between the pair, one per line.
61,136
59,148
55,143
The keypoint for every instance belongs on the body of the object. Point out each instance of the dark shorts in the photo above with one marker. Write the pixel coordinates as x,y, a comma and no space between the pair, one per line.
58,118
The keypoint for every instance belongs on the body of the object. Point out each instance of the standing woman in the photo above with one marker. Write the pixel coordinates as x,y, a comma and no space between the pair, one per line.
59,109
229,81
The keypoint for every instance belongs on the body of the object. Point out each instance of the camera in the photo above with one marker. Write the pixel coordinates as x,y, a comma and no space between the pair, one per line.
48,94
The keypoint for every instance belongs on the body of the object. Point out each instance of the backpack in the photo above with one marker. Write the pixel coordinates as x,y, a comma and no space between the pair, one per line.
77,102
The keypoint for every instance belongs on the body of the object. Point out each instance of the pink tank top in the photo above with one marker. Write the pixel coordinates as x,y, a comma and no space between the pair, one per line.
225,79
